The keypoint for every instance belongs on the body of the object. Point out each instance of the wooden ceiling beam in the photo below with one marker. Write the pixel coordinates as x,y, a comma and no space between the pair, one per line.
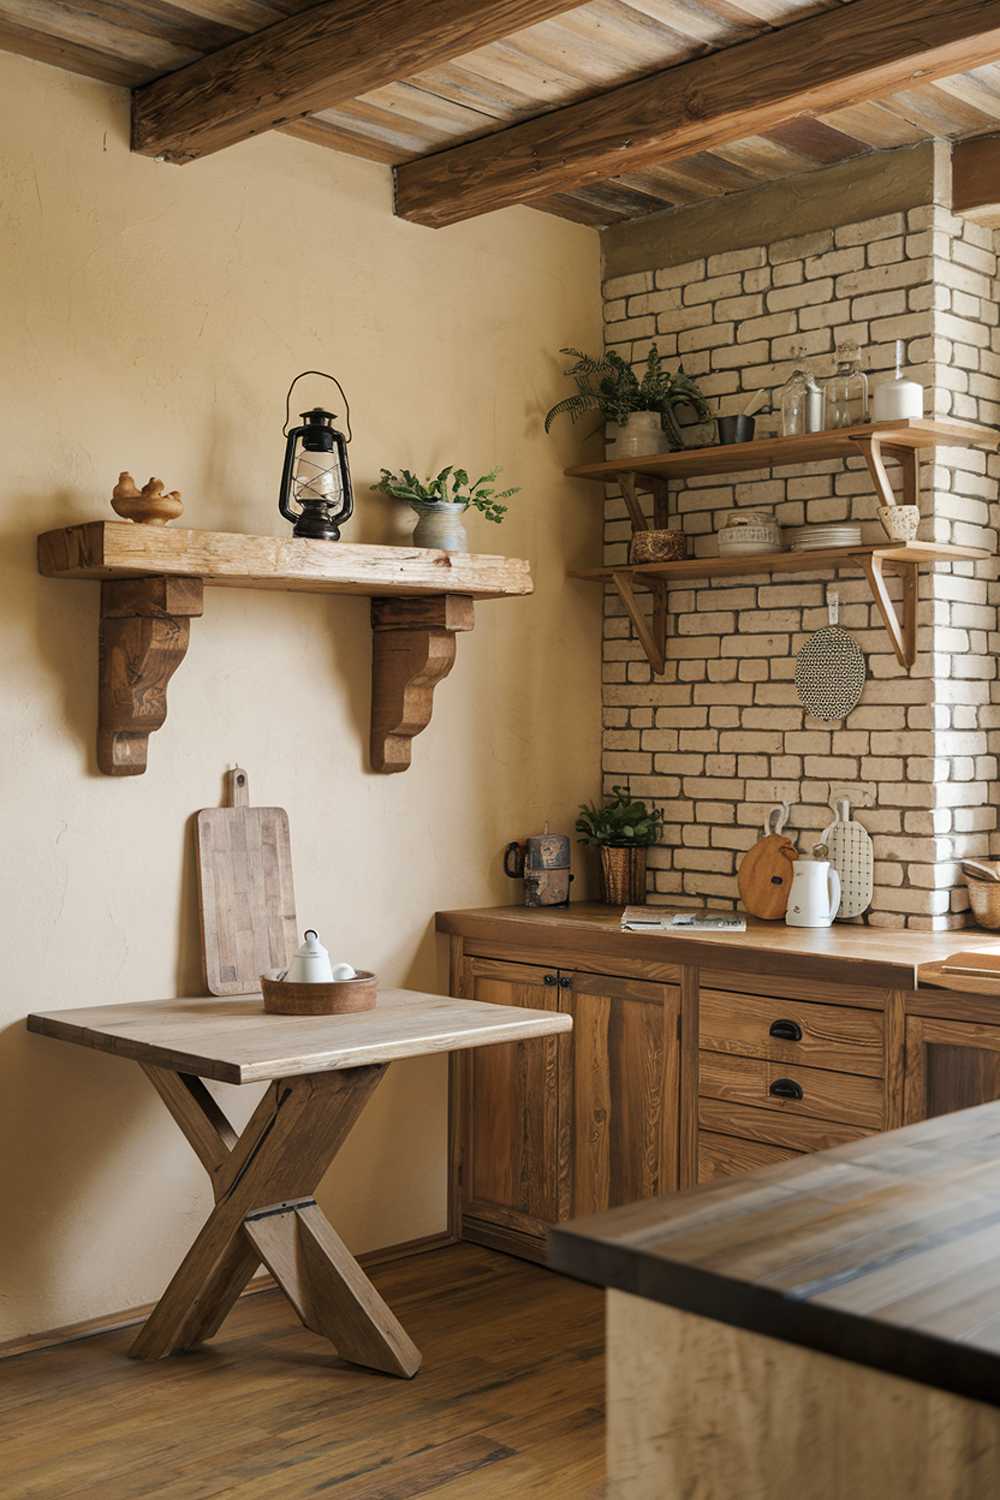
975,179
841,57
337,50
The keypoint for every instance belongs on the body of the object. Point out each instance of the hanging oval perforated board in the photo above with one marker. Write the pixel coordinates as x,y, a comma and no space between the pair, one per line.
830,670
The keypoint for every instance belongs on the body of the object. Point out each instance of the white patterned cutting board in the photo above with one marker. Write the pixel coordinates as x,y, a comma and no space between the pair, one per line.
852,857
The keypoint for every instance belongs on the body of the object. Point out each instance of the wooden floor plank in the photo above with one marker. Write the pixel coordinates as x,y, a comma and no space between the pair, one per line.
509,1401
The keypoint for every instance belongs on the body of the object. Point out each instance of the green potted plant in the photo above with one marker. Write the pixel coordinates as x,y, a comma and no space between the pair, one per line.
643,410
441,502
622,829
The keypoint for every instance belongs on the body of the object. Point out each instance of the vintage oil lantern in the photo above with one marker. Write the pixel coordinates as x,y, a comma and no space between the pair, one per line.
316,494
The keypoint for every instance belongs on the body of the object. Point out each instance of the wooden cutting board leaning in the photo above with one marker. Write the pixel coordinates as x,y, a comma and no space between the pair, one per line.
852,857
765,873
245,890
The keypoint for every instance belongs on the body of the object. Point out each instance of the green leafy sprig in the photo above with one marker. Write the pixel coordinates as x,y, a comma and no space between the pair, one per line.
450,487
623,821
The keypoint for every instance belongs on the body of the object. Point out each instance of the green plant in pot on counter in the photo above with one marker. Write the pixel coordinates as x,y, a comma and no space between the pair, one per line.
622,829
645,410
442,500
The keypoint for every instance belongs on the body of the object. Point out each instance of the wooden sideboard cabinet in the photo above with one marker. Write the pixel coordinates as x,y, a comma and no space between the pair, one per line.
689,1062
570,1126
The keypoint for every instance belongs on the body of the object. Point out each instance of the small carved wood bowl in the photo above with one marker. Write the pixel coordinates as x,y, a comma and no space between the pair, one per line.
341,997
658,545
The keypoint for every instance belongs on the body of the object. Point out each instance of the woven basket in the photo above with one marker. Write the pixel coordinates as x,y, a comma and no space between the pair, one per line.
984,898
658,545
623,875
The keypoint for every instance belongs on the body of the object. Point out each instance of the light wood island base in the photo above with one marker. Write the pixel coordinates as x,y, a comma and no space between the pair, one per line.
696,1408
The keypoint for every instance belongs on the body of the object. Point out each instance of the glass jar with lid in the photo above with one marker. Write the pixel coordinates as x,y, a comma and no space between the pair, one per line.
847,402
801,400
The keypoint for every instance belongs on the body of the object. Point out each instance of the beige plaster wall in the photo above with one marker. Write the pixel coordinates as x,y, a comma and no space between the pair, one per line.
151,318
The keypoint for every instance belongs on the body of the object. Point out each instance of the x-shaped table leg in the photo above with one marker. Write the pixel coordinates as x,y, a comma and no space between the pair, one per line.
264,1181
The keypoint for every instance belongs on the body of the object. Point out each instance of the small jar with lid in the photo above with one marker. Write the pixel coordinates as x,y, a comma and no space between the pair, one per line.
847,398
801,401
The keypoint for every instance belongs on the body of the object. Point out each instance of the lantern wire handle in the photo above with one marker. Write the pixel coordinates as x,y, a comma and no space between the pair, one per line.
323,374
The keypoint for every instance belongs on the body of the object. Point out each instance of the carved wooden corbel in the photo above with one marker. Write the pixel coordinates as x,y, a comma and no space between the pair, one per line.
145,624
413,649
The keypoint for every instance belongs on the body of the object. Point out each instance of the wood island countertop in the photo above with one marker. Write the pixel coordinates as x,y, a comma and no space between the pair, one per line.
884,1252
869,956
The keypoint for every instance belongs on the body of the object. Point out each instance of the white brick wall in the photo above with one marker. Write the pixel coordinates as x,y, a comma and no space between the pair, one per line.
721,734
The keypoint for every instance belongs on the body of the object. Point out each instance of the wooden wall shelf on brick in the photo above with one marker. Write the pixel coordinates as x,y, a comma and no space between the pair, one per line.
902,442
906,557
152,580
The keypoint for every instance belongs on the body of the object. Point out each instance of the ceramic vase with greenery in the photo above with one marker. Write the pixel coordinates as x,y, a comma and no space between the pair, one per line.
643,411
622,829
441,502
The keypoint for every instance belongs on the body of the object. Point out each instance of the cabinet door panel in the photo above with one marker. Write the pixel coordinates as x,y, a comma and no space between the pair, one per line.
512,1162
625,1057
950,1065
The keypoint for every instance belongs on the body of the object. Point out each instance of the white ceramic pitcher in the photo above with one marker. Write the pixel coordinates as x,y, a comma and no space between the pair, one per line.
814,899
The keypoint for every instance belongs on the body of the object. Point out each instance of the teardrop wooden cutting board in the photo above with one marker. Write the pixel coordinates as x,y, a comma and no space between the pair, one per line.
245,890
765,876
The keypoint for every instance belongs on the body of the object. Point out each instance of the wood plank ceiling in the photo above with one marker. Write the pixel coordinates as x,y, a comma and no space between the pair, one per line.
570,57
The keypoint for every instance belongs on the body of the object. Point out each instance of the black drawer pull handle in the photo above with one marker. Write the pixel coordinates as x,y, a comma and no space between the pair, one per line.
785,1088
549,979
565,982
786,1031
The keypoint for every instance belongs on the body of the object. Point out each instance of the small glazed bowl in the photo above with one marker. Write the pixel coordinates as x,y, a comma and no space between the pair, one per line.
658,545
900,522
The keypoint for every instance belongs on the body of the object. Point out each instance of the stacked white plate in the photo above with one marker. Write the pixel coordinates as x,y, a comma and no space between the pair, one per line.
834,534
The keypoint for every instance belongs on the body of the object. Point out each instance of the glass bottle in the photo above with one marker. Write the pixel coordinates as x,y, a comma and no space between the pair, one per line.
847,391
801,401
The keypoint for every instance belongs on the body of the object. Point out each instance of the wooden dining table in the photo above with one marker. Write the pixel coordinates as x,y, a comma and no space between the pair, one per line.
320,1072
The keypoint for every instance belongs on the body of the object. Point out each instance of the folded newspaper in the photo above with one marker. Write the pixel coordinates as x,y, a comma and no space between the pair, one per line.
660,919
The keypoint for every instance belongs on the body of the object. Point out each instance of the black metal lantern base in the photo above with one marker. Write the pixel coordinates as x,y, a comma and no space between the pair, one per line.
317,524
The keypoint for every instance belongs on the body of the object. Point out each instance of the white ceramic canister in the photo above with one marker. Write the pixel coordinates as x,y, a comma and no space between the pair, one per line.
311,964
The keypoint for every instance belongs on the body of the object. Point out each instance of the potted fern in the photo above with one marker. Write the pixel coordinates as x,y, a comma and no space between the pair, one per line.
644,410
623,830
441,502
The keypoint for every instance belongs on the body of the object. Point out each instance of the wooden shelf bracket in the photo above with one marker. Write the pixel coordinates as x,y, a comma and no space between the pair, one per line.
144,632
413,649
908,459
902,633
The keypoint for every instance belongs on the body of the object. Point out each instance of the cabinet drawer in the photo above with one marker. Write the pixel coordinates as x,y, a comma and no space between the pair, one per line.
793,1031
773,1127
818,1092
723,1156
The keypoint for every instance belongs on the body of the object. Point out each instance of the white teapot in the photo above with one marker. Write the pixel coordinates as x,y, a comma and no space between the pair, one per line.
814,898
311,964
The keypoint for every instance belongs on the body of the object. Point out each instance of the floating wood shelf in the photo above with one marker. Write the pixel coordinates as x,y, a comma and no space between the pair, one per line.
895,438
152,578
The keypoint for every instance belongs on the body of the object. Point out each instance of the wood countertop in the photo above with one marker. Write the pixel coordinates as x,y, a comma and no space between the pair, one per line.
870,956
885,1252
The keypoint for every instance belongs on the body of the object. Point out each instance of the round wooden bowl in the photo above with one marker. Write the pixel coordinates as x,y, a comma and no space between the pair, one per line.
341,997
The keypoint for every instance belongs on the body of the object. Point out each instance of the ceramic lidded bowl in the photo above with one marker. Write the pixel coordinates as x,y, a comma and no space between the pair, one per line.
746,531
